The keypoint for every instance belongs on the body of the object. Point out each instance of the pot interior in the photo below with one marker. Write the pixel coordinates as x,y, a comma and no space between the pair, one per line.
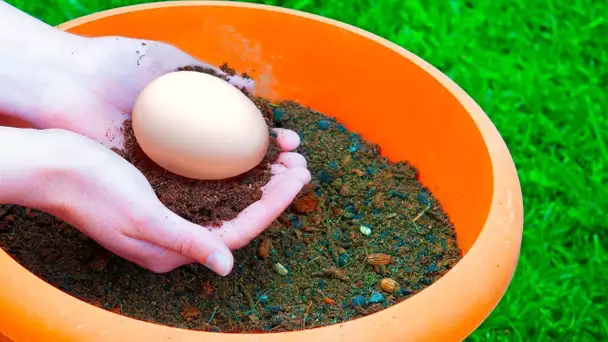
372,90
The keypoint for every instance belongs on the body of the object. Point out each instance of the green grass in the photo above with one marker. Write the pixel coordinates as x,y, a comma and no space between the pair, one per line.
540,71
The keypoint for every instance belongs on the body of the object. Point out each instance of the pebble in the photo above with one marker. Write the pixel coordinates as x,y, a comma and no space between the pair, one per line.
280,269
354,148
343,260
264,299
365,230
423,198
358,301
325,177
323,125
377,297
278,115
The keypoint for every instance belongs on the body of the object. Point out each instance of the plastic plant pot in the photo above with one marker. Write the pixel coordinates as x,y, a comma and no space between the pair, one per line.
413,111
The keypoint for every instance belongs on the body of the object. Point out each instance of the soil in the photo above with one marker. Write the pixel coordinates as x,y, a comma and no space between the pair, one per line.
202,202
364,235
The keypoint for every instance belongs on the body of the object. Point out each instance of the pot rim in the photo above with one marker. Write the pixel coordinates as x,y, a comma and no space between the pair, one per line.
497,246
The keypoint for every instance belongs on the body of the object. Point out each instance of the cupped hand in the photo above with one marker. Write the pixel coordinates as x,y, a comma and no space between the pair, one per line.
109,200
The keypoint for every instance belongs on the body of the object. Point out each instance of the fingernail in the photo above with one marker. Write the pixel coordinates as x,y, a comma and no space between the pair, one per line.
219,263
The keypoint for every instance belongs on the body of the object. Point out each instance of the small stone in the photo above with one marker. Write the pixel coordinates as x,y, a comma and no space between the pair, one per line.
389,285
365,230
280,269
423,198
358,301
343,260
323,125
278,115
377,297
328,301
324,177
264,299
190,313
378,259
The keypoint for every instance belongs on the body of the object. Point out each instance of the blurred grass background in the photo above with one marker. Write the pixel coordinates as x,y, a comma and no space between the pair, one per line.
539,68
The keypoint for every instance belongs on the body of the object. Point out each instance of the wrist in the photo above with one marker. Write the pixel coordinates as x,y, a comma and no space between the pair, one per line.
32,167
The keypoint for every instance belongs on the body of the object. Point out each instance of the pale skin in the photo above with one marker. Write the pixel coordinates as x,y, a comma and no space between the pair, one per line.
72,91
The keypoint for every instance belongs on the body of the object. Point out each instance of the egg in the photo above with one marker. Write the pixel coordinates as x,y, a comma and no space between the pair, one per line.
199,126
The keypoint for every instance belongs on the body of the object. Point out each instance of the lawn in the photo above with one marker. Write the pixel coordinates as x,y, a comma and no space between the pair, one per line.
540,71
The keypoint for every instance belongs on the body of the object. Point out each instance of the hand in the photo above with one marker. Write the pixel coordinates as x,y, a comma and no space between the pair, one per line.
88,86
92,86
108,199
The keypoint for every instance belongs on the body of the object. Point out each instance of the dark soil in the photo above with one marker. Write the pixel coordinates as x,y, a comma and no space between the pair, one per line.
201,202
314,266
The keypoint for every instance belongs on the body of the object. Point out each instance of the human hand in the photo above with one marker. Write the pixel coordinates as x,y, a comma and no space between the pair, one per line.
92,86
108,199
88,86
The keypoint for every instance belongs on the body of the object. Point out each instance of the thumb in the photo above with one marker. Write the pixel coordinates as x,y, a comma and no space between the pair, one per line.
174,233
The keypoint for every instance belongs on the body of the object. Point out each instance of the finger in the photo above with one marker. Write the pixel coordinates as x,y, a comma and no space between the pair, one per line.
299,173
291,159
168,230
287,139
258,216
149,256
276,169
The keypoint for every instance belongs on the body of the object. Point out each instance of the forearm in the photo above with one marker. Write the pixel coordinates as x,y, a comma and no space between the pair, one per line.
25,35
32,53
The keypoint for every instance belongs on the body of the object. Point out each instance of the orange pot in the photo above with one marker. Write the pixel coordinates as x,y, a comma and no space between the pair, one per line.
391,97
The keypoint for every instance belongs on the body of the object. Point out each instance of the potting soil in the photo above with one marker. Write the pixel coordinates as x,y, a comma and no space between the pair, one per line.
364,235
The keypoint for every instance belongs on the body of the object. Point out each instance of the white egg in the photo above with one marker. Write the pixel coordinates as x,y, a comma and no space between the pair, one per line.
199,126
